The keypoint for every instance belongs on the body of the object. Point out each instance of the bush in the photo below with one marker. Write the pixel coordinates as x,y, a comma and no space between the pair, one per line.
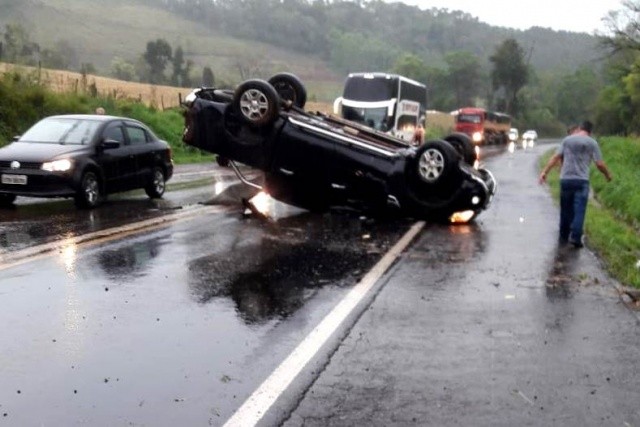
23,102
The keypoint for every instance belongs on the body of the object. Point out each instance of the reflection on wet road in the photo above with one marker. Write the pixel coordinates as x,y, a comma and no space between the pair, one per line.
174,326
272,276
38,221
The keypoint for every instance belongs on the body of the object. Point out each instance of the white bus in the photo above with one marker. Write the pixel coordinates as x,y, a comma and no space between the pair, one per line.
386,102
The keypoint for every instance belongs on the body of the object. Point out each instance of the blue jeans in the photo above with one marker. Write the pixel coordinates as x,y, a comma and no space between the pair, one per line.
574,194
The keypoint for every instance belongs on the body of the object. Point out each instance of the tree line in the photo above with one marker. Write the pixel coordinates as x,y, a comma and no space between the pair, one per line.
544,79
158,64
532,75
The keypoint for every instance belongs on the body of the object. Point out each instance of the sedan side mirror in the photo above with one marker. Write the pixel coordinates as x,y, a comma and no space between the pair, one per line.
110,144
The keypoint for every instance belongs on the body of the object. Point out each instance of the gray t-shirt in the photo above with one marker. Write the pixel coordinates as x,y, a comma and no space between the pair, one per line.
577,152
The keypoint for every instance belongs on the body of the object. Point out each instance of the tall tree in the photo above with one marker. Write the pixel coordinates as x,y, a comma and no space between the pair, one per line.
464,76
208,80
623,28
157,56
412,66
178,67
17,44
576,95
509,75
122,69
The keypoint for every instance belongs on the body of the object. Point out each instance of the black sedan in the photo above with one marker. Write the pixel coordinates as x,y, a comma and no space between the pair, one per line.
315,161
85,157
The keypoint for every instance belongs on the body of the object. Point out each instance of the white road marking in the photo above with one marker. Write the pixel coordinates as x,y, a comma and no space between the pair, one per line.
257,405
11,259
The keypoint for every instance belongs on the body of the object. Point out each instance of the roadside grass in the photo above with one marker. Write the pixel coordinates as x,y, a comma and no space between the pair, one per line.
613,214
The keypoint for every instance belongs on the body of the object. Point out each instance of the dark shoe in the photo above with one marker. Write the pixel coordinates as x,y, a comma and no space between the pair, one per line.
577,243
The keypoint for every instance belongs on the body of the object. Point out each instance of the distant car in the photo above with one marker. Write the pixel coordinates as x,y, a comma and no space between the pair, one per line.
530,135
529,138
513,134
315,161
85,157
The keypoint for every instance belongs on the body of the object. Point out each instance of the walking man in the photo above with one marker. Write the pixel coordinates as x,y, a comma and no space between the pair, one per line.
575,155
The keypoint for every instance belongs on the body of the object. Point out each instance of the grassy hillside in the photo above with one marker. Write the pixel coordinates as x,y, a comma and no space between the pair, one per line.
100,31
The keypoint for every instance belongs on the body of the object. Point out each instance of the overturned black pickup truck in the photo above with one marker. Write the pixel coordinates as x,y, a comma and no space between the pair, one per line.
316,161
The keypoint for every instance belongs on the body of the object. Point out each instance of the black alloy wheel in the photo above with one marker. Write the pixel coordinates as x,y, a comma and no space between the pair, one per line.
7,199
89,194
156,188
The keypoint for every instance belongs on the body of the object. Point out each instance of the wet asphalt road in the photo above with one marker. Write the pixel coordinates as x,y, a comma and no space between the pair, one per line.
491,324
486,324
174,325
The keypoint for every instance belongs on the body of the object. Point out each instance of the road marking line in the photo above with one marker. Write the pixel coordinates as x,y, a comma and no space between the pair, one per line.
257,405
12,259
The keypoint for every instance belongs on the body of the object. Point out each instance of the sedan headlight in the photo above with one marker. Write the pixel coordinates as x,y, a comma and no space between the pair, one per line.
61,165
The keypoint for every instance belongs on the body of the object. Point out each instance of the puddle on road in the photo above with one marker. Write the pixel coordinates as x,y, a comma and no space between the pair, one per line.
274,275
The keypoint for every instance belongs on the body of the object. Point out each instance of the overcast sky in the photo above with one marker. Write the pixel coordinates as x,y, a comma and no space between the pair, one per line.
568,15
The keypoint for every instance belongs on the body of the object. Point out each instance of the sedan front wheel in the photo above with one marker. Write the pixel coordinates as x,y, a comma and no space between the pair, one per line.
89,194
156,188
7,199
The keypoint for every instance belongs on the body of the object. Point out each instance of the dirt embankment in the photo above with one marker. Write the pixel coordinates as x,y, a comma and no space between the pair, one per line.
68,81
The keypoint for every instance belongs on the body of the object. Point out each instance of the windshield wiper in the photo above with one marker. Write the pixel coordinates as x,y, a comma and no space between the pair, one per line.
66,134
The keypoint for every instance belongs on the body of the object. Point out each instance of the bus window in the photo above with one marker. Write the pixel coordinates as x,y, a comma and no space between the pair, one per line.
375,118
369,90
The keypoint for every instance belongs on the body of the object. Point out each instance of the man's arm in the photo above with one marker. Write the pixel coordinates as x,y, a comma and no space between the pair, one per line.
602,167
554,160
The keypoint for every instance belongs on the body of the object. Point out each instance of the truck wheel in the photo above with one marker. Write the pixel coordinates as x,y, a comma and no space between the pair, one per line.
463,145
257,102
89,194
290,88
155,189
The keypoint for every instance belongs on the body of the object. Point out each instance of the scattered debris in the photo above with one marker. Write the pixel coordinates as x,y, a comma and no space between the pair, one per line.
524,397
630,296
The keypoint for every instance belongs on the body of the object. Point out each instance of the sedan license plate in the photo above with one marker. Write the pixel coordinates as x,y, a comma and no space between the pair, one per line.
14,179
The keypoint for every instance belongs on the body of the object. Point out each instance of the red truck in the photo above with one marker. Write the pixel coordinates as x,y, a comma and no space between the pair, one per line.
483,126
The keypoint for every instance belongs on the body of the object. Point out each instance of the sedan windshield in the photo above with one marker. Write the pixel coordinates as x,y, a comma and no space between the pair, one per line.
61,131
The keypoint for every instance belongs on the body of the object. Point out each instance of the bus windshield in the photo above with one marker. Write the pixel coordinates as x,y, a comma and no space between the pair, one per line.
370,89
375,118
